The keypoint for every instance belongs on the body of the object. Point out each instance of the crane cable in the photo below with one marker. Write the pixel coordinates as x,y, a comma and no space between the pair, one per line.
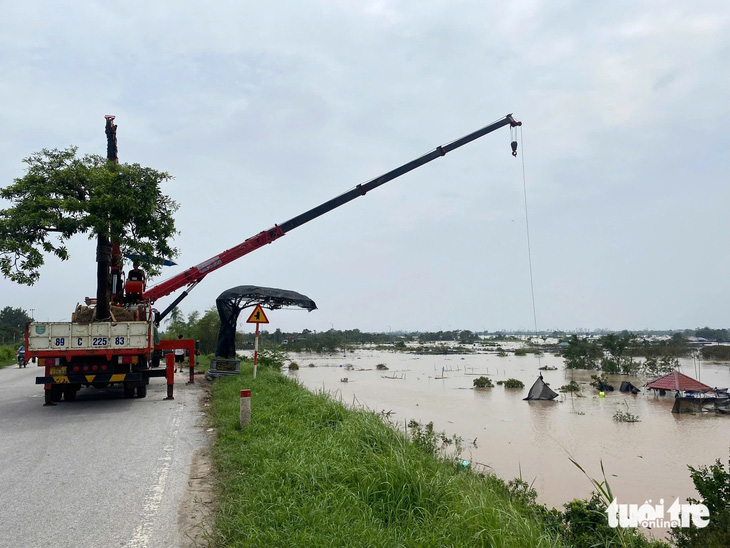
529,247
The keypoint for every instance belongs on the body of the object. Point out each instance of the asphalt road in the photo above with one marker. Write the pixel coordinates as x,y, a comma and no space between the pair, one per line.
102,471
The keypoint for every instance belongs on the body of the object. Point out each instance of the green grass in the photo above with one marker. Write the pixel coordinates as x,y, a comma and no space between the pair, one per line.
309,472
7,355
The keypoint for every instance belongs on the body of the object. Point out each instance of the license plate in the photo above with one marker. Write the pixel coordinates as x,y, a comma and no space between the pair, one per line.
58,371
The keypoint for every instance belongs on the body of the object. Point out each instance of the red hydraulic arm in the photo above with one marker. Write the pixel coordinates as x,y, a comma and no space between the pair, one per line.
195,274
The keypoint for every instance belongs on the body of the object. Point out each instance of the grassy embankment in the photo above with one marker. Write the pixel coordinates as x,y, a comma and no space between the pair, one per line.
7,355
309,472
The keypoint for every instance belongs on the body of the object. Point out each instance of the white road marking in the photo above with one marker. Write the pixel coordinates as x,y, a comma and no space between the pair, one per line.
153,497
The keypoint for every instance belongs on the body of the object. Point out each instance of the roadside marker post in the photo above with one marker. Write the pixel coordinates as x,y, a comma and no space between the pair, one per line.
245,407
258,317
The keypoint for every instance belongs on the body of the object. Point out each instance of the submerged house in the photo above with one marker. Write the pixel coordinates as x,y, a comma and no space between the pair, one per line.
691,395
677,381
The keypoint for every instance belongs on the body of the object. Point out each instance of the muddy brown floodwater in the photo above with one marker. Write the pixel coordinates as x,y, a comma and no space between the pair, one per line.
535,440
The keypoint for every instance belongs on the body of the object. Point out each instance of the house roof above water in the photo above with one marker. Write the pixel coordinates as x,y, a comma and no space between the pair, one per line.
677,381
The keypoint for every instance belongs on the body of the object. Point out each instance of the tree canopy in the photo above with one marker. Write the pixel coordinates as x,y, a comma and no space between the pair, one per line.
12,324
62,195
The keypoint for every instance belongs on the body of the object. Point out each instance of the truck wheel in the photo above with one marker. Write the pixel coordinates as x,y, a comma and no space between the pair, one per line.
128,390
141,390
69,393
56,393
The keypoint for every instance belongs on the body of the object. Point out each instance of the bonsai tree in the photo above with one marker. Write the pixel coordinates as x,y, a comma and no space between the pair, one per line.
62,195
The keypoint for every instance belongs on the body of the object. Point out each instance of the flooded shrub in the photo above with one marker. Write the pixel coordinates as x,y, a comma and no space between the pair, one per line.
483,382
625,416
381,367
272,358
436,443
293,366
512,383
600,382
520,352
572,386
655,367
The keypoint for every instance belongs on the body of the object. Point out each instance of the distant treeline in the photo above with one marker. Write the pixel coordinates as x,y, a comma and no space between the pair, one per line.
611,352
586,348
617,353
716,352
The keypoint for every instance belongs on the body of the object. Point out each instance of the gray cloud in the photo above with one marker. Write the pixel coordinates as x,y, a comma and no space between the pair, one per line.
262,112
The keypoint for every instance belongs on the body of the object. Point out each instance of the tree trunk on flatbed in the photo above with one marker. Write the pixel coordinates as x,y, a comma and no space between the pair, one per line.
103,294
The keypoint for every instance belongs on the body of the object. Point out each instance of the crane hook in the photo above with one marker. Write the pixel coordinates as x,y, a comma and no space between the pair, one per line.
514,148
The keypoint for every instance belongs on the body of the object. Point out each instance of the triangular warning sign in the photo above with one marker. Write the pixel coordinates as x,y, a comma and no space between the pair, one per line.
257,316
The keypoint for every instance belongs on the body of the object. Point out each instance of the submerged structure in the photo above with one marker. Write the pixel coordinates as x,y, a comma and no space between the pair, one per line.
677,381
541,391
626,386
691,396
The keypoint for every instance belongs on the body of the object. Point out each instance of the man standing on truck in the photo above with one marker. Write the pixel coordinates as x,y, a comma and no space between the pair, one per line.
179,356
137,274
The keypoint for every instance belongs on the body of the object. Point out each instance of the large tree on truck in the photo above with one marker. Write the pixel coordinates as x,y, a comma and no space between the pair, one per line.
62,195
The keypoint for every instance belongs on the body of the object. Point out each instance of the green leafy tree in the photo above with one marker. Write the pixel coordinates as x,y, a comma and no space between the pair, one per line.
619,360
653,366
719,335
62,195
206,330
713,485
277,336
176,324
582,353
467,336
12,323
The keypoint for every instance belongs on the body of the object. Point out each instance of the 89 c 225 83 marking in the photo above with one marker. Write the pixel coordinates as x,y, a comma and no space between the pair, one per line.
95,341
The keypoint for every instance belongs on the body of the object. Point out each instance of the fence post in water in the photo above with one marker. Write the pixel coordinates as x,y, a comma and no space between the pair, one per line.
245,407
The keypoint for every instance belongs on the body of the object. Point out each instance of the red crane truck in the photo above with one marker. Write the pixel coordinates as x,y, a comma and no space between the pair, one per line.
128,352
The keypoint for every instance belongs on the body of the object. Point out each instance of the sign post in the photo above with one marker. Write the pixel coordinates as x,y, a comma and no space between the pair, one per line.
258,317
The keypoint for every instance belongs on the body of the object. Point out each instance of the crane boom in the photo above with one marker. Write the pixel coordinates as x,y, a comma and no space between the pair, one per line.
195,274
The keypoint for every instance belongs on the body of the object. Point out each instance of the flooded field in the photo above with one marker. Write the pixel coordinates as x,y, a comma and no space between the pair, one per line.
535,440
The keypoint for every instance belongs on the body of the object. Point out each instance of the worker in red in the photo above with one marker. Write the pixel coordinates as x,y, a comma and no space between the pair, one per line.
137,274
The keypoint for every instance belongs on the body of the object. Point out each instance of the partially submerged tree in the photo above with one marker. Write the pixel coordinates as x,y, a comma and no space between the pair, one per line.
619,360
62,195
582,353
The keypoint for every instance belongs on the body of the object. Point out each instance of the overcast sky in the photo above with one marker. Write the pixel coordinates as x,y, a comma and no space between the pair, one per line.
261,111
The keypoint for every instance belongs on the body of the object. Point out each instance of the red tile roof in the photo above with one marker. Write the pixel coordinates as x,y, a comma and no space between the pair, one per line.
677,381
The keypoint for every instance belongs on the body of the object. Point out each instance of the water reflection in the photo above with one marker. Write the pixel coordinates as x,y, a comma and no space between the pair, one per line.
535,439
